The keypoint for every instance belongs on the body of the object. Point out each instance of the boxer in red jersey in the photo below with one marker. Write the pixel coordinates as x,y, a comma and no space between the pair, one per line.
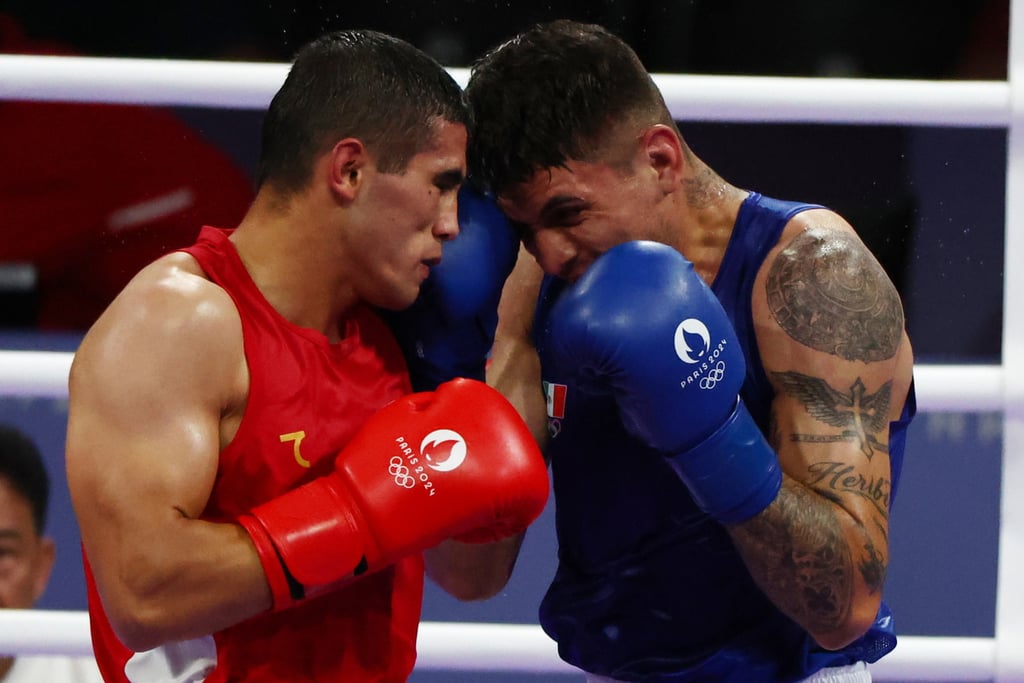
256,488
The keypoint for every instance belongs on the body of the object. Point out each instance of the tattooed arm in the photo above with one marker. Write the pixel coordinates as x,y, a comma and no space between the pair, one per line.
831,334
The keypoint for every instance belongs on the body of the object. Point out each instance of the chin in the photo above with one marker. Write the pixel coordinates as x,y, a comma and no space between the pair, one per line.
398,301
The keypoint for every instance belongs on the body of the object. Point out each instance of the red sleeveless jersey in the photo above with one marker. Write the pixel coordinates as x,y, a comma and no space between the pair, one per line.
307,398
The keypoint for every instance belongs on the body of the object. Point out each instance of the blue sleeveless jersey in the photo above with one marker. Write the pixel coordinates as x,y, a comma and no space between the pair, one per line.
648,588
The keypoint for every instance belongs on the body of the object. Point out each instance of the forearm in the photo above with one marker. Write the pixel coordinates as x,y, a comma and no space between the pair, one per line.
515,372
514,368
816,563
194,579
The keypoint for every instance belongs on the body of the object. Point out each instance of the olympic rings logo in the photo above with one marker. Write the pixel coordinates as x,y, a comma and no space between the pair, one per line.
714,376
401,473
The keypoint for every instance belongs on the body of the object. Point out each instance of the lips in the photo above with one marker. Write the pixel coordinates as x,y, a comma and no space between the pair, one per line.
430,262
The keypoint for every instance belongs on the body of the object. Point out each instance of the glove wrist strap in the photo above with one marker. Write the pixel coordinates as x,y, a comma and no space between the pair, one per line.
733,474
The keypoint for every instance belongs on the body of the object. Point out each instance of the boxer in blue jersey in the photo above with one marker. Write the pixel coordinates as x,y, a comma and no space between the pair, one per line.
726,381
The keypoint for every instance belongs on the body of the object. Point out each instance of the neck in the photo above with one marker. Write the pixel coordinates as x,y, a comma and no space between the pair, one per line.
291,258
707,219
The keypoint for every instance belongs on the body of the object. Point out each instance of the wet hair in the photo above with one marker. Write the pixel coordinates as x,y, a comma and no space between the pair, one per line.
551,94
360,84
22,467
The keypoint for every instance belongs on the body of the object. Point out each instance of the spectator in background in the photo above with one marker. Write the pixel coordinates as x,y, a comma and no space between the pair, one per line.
26,557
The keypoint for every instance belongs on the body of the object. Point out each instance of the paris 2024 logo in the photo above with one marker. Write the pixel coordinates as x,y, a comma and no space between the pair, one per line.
442,450
695,347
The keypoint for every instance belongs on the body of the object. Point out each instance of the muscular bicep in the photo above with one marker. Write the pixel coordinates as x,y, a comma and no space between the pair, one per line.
148,390
143,420
831,331
135,453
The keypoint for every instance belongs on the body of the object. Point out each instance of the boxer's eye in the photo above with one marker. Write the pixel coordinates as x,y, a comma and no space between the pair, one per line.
450,181
565,218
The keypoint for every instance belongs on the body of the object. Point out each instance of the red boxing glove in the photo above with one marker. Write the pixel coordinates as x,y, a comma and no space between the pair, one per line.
457,462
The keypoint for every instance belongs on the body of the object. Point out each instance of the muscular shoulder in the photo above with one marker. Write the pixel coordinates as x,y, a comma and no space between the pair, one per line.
827,291
172,296
170,320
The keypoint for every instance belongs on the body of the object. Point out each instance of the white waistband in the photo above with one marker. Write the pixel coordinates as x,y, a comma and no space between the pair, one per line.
852,673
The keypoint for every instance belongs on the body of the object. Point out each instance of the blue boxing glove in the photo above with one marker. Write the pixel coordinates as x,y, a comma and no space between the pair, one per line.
642,323
449,330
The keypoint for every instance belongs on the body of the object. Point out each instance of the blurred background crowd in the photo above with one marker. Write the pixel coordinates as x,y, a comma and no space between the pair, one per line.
90,193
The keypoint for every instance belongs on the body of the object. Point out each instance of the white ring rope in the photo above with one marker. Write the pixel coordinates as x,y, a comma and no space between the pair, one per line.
525,648
512,647
251,85
949,388
42,374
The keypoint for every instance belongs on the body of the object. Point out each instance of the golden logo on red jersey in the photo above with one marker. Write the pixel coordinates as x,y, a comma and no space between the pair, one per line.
296,438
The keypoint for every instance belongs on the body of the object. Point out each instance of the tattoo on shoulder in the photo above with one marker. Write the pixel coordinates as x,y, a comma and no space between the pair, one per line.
827,292
858,415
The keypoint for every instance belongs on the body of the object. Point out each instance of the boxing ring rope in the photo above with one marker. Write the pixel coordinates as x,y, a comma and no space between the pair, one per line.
940,388
968,388
250,85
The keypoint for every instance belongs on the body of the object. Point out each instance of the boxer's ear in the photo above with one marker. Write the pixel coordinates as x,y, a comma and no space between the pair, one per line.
347,162
663,152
